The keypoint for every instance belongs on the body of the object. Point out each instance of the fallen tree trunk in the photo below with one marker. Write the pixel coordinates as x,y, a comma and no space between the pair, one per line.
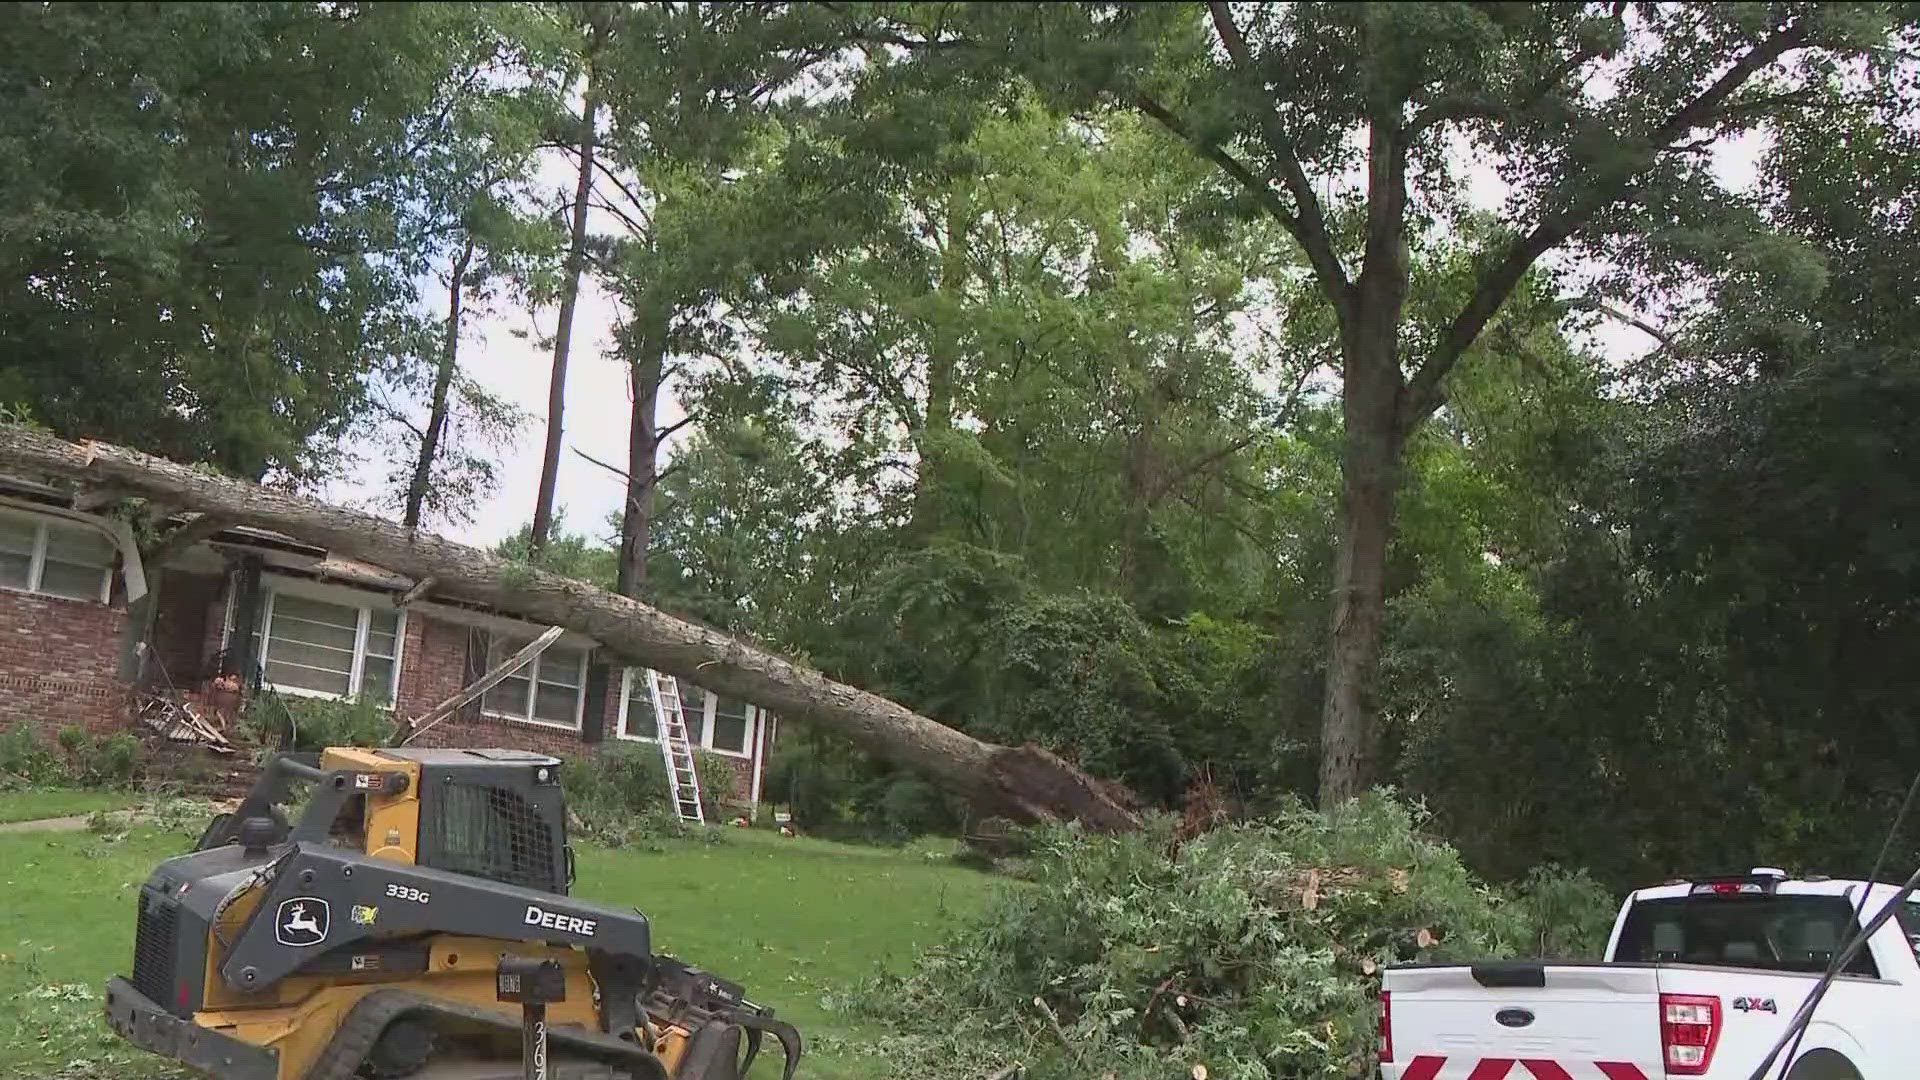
1024,783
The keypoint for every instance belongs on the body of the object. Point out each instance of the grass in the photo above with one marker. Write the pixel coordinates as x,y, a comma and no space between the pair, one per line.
32,804
791,918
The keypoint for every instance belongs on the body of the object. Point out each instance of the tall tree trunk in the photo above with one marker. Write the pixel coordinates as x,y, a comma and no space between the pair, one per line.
1370,479
930,489
563,334
442,384
643,459
1026,783
1373,395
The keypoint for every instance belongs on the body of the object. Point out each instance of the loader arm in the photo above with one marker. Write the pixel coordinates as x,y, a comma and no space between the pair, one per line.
321,901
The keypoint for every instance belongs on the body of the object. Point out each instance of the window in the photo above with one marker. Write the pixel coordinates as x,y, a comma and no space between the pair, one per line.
550,689
1774,933
1908,916
55,559
731,723
713,722
333,650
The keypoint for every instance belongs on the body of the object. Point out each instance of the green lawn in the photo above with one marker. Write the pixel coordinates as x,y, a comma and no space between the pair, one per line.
790,918
31,804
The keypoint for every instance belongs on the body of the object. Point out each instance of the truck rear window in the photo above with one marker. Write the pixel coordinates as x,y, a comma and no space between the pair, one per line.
1773,933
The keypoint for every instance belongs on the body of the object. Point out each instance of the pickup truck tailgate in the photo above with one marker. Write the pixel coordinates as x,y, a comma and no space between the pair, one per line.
1526,1021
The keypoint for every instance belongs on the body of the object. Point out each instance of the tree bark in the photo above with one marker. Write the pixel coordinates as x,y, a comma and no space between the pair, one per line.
643,459
1025,783
442,384
1370,475
930,489
563,334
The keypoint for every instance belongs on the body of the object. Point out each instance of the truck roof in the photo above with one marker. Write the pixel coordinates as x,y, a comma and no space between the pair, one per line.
1775,882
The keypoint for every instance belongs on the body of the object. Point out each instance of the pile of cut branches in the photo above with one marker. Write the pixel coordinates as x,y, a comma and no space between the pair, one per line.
1253,952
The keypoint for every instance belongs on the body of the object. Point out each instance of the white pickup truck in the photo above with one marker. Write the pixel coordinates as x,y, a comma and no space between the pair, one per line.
1700,979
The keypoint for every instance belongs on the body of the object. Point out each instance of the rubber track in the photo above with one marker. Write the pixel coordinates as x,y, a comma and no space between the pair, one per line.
371,1015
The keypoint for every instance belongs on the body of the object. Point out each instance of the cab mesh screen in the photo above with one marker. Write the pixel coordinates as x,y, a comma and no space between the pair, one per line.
494,833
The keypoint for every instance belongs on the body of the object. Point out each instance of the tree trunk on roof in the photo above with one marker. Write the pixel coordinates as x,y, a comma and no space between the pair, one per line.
1025,783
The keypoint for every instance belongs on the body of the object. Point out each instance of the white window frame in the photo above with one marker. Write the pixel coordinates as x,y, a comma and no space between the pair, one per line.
532,669
39,557
756,716
363,618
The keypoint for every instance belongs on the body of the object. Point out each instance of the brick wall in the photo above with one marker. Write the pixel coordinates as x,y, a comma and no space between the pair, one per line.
433,667
433,664
60,663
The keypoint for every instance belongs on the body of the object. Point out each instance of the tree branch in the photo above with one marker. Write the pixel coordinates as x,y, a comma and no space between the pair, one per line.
1621,315
1319,251
661,435
182,539
614,469
1422,394
1311,227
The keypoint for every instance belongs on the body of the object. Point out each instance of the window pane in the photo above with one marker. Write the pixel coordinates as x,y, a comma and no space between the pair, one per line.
508,699
15,569
322,657
639,721
561,666
313,623
305,678
80,546
501,649
69,580
381,644
376,679
383,622
729,730
556,704
17,535
693,709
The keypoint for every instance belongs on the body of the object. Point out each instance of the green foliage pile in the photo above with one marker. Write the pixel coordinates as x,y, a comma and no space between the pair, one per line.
111,760
1254,950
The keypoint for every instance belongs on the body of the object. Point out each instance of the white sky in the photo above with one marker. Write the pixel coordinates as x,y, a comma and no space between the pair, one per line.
509,351
518,366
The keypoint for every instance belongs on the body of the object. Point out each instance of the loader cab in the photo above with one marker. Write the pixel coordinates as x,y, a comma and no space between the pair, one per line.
493,814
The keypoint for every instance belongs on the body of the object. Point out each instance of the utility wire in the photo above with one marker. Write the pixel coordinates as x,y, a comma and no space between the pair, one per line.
1797,1027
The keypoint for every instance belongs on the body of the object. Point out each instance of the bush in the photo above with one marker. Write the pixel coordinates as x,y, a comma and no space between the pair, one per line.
304,723
629,780
814,788
1253,950
911,807
111,760
22,755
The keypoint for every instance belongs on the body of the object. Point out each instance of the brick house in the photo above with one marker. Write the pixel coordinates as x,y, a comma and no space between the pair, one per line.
72,651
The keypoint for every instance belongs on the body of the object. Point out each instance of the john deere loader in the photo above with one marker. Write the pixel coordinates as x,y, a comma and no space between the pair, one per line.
375,937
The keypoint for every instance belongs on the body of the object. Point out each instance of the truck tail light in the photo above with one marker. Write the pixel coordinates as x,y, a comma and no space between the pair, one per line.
1689,1030
1386,1027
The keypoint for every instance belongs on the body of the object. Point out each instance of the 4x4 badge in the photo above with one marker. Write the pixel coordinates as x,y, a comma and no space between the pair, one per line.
1754,1004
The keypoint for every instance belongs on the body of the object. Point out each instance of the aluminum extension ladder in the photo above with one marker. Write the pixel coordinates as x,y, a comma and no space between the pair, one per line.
670,727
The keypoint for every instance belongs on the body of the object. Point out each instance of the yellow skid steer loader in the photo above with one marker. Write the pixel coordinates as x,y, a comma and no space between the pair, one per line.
379,935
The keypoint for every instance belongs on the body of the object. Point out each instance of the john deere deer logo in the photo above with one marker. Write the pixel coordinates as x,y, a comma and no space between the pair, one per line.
302,921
